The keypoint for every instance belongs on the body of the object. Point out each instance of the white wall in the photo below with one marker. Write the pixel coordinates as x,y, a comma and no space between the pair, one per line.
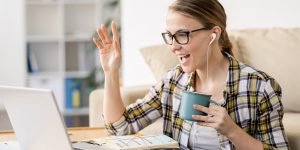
262,13
12,43
144,20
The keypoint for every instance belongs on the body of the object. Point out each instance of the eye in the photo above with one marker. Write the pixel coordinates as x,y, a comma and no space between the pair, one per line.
181,34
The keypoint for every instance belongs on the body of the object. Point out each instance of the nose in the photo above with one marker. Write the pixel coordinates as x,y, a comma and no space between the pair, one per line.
175,46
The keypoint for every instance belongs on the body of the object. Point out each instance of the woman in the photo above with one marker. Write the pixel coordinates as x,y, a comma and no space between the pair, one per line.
249,111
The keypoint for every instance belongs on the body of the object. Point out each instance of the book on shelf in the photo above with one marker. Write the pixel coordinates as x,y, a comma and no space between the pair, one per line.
32,65
131,142
73,94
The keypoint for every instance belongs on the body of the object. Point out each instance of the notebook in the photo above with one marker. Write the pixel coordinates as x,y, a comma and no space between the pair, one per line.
132,142
36,119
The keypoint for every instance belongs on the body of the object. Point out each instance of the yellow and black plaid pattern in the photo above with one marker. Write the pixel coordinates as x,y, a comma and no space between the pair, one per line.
252,99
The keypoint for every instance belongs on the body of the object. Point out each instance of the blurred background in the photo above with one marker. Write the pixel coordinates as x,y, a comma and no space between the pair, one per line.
47,43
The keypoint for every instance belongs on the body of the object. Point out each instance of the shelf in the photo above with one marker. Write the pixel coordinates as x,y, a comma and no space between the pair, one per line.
60,54
42,2
76,111
44,57
79,37
79,2
79,57
77,74
43,38
44,75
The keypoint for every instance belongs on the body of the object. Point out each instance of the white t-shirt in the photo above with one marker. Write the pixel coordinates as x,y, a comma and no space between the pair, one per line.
204,138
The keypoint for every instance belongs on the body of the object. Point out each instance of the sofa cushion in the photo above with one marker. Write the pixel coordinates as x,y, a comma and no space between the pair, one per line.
159,58
276,52
128,94
291,126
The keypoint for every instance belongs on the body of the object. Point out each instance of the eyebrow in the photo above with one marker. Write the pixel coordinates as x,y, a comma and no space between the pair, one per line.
180,30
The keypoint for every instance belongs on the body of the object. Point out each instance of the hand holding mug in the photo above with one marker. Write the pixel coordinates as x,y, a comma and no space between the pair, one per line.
217,118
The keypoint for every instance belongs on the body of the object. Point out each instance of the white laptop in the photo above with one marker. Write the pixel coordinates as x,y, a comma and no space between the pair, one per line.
36,119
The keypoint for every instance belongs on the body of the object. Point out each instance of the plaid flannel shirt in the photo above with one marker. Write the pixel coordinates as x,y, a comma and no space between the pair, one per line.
252,100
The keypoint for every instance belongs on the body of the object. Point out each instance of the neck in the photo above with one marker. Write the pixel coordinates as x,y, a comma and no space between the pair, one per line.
217,70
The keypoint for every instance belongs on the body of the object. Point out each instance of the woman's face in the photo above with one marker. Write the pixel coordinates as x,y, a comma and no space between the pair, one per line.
192,55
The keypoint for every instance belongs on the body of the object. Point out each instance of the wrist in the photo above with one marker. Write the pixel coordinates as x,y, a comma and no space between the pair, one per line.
242,140
111,79
111,74
234,132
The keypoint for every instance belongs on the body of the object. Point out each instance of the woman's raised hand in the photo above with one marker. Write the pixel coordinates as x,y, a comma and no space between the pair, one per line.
109,49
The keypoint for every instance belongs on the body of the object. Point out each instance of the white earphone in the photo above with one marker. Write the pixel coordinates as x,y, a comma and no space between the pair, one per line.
213,37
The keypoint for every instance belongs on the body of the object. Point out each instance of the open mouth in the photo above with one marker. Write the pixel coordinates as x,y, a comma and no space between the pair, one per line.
184,58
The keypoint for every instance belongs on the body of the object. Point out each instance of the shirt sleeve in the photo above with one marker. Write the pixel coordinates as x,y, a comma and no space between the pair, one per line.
270,127
139,114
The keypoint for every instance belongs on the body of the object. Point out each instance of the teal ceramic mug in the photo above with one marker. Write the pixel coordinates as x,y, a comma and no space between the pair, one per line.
188,100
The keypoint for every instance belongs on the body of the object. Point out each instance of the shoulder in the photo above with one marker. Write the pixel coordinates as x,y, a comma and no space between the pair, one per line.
249,71
248,79
242,70
257,80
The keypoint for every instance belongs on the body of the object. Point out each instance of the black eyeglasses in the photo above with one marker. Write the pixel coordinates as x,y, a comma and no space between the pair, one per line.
181,37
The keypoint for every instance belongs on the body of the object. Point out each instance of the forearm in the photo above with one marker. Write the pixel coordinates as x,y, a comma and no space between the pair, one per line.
242,140
113,107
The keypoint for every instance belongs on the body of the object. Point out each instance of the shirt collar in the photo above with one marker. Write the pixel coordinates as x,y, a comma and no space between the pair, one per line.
232,84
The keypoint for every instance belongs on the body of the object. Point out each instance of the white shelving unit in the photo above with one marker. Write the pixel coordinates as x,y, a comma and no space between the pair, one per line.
58,34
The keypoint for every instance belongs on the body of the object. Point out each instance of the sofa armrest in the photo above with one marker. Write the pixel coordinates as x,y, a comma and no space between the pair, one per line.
128,94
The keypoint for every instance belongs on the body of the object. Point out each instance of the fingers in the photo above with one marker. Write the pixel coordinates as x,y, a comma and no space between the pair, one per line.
115,36
213,114
97,43
207,119
105,42
206,110
115,31
213,125
106,39
100,34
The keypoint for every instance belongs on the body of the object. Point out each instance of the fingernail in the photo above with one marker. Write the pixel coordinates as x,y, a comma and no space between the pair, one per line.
193,116
195,106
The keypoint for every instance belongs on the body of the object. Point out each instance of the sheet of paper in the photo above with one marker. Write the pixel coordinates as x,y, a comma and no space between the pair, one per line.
127,142
9,145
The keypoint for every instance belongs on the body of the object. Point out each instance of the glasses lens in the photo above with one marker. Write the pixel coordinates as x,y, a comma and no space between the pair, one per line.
181,37
167,38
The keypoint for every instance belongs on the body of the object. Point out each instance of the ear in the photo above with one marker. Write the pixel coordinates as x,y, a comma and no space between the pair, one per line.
217,31
213,37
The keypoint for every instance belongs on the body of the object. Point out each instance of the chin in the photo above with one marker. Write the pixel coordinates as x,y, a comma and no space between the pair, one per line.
187,69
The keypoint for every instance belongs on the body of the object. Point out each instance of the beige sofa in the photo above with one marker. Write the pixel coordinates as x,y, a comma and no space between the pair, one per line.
275,51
